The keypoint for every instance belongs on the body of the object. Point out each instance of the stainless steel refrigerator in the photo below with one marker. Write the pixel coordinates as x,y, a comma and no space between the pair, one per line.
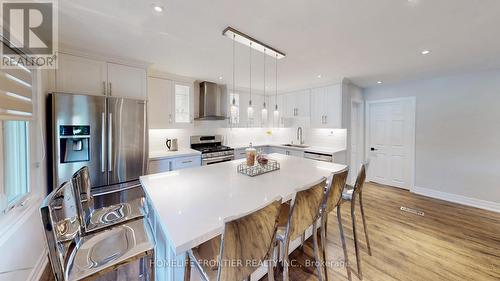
107,134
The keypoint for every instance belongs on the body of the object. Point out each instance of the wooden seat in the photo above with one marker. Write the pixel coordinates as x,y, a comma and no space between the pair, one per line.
244,246
350,194
305,210
333,200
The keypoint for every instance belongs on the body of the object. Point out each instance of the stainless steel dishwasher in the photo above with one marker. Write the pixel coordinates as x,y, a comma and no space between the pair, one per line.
318,156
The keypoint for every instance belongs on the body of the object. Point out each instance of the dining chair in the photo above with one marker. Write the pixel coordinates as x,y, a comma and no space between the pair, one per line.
304,212
95,218
332,201
349,194
246,244
124,252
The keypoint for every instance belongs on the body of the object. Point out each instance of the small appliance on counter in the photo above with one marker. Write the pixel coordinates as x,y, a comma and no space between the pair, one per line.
171,144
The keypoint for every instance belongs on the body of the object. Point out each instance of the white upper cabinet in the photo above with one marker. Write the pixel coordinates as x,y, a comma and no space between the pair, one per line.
170,103
333,118
296,104
326,107
80,75
126,81
160,97
183,103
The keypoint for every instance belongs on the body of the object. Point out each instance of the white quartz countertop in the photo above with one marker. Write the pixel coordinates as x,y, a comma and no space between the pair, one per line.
318,149
191,204
165,154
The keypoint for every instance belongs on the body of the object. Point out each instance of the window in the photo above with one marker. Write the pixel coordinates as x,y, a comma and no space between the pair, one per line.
182,104
14,148
235,109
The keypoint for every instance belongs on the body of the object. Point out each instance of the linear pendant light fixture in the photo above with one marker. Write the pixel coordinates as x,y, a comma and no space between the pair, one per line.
244,39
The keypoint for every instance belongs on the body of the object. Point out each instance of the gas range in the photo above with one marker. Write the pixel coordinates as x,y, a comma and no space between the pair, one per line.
212,150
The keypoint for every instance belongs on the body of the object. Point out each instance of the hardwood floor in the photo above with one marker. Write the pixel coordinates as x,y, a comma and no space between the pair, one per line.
450,242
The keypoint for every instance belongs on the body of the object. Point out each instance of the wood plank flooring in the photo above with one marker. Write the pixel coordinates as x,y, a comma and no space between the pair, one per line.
451,242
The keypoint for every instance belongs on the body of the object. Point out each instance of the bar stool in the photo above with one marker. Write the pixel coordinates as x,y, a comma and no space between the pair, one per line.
123,252
349,194
243,247
333,200
95,219
305,210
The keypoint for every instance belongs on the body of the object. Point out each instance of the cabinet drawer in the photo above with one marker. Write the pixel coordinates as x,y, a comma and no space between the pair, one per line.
186,162
159,166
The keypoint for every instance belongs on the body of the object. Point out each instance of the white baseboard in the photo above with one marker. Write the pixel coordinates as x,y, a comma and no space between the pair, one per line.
37,271
473,202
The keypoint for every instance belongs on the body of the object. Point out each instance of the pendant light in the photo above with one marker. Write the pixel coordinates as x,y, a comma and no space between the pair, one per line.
233,102
276,111
250,108
264,106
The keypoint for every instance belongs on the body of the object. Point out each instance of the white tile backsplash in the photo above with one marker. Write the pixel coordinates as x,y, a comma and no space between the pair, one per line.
335,138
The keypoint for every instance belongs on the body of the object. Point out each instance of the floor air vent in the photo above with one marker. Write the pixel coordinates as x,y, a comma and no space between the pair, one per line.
413,211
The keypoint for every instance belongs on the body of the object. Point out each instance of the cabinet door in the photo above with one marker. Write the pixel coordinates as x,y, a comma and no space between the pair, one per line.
318,107
333,106
159,103
296,153
239,153
183,103
302,100
186,162
159,166
277,150
80,75
289,105
126,81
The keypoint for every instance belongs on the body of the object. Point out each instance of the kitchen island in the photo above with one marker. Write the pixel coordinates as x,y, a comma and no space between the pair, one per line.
188,207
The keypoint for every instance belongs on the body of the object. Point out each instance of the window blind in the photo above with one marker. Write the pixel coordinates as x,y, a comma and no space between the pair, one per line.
16,92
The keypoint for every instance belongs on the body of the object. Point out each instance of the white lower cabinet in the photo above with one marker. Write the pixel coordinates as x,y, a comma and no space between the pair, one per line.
291,152
172,164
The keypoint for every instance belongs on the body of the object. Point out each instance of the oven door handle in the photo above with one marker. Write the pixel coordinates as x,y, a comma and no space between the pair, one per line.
219,158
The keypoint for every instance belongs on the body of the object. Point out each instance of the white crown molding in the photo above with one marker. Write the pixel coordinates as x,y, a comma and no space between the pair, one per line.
460,199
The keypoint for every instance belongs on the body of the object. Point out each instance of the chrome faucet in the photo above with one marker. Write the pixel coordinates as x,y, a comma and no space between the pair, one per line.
299,135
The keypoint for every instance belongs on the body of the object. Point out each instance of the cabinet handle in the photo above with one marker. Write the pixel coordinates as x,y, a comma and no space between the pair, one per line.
170,118
326,119
185,162
297,110
110,88
104,87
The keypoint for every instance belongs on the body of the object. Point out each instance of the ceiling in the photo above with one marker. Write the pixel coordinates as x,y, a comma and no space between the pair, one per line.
363,40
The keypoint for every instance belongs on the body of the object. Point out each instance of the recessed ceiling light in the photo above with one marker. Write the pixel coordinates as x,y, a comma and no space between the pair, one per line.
426,52
158,8
319,76
220,77
379,82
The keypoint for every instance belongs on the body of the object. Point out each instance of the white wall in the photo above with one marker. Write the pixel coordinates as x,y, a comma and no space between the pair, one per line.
457,135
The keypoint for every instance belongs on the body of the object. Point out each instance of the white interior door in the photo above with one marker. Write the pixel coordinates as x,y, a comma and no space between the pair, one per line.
391,134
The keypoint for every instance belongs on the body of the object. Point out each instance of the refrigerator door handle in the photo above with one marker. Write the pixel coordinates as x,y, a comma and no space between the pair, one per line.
110,142
103,142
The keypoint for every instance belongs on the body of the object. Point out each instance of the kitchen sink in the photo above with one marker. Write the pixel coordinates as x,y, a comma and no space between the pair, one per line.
296,145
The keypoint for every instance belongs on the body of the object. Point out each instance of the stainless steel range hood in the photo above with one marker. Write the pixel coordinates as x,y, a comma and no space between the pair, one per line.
213,102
